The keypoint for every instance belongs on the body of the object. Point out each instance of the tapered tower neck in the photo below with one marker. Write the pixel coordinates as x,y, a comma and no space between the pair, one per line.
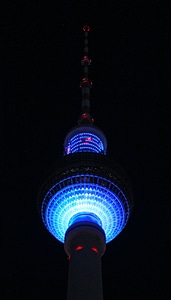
85,83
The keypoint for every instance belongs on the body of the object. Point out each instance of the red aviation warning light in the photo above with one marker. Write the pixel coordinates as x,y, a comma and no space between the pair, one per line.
86,28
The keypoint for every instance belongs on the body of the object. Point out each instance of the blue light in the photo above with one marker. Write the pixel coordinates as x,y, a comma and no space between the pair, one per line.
85,142
103,200
86,138
85,217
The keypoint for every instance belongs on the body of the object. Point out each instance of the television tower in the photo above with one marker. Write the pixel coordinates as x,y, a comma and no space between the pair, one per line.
87,200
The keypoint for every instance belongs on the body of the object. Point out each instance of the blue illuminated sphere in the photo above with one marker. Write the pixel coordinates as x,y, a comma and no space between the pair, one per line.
86,186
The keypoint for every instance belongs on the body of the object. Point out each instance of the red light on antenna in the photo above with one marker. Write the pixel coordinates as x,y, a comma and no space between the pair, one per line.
86,28
84,116
84,80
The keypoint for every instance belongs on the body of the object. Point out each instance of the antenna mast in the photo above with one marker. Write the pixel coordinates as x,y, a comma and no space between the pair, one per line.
85,83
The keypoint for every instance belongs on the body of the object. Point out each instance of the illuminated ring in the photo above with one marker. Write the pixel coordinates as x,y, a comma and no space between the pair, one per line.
85,142
58,208
85,139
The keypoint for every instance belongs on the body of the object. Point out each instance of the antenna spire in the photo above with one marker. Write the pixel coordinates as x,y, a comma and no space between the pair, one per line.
85,83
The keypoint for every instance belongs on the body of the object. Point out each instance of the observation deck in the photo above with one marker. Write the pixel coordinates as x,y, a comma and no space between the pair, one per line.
86,183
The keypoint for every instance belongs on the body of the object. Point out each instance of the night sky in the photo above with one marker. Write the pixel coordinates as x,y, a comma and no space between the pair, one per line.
42,45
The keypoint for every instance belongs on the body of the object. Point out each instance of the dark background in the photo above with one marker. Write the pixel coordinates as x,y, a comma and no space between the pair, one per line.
42,45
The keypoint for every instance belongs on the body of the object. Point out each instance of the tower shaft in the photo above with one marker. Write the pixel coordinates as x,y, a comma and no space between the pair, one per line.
85,244
85,276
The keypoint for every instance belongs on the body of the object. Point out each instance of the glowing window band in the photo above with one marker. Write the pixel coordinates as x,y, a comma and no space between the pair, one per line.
84,142
102,198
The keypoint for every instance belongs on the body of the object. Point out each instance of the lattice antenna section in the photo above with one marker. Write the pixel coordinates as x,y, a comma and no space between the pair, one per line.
85,83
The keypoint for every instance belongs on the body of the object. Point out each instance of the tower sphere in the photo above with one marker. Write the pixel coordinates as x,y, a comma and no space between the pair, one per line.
86,186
